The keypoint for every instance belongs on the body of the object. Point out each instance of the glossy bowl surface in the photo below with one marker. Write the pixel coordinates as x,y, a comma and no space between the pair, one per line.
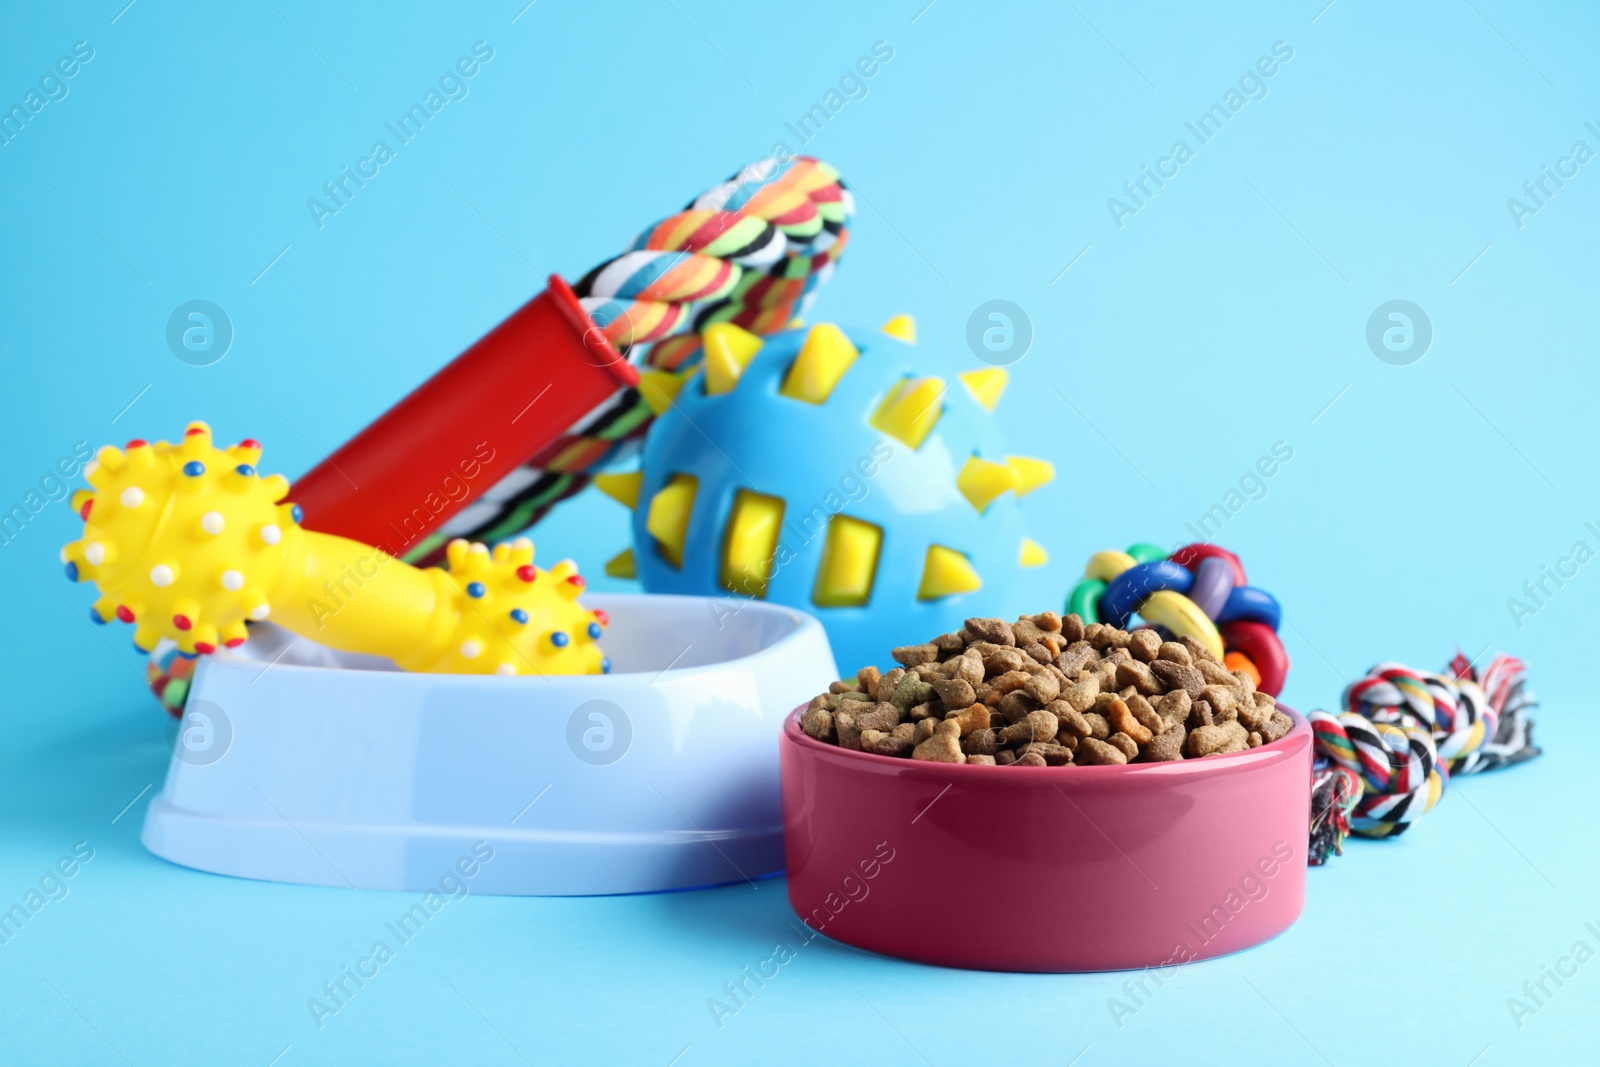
1047,868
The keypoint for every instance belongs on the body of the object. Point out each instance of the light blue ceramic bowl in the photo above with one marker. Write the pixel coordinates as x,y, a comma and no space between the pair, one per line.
297,764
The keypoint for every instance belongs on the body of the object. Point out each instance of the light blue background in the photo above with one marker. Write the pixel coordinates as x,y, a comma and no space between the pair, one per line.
1225,316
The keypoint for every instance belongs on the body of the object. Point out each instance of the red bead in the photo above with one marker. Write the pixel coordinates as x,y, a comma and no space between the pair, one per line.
577,580
137,442
250,442
181,622
526,572
205,648
191,431
83,512
234,642
601,617
124,613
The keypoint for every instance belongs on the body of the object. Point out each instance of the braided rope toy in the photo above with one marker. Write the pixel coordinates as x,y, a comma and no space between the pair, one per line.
188,542
751,251
1404,733
1199,591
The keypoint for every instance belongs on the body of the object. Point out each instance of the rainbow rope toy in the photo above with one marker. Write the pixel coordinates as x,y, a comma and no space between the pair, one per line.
1403,733
187,542
751,251
1199,591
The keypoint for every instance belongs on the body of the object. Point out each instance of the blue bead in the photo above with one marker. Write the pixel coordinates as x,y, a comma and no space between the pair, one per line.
605,666
72,571
188,655
520,616
559,639
296,514
95,615
594,630
475,590
245,469
194,468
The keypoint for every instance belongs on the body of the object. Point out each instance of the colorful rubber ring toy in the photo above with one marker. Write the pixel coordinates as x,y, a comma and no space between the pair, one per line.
1199,591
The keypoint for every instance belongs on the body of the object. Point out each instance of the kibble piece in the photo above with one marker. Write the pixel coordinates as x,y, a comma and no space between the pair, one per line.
1048,621
920,712
949,644
1023,631
1200,715
1197,651
1255,739
1030,759
998,659
867,679
893,745
883,717
1215,674
887,684
995,631
1174,653
982,759
1146,713
980,743
1098,752
955,692
1005,757
1010,681
843,685
971,667
1279,725
1139,676
1173,708
969,719
924,730
1099,728
1167,745
1038,652
911,691
1124,744
1054,755
1144,644
818,723
844,726
1042,686
1072,627
914,655
940,748
1243,681
1255,716
1035,726
1217,740
1123,721
1016,706
1221,697
1177,676
1070,718
870,739
1081,694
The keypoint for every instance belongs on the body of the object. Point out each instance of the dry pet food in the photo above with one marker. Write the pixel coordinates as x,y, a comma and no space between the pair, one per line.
1046,691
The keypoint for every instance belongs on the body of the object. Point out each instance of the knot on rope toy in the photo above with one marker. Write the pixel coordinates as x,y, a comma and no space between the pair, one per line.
1403,733
1199,591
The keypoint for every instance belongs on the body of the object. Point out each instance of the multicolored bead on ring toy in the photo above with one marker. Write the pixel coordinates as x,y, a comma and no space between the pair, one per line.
1199,591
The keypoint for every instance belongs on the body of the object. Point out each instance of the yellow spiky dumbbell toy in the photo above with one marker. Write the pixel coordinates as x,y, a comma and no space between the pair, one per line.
187,541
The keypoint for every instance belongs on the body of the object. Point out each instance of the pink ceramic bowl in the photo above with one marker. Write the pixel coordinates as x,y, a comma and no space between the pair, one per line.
1047,868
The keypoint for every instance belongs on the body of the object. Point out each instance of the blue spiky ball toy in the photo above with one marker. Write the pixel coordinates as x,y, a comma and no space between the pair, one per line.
834,472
